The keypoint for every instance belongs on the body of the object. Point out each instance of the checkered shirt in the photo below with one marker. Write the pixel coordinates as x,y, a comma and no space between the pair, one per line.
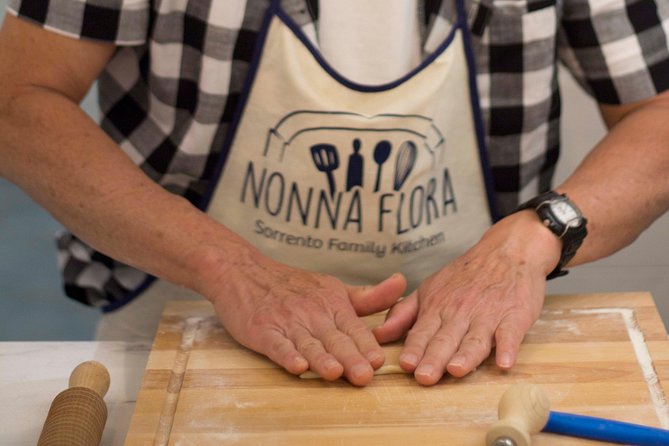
168,94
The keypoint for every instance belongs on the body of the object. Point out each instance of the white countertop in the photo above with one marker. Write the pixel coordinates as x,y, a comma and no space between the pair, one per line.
33,373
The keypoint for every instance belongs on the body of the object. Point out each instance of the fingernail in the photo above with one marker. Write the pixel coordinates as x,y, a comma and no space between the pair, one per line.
359,370
394,276
505,360
457,361
425,370
331,364
409,359
300,362
375,356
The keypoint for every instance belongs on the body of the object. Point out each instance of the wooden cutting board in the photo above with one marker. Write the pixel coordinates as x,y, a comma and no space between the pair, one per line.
604,355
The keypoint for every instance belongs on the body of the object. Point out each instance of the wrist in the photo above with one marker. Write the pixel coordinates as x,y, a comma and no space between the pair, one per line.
215,265
531,240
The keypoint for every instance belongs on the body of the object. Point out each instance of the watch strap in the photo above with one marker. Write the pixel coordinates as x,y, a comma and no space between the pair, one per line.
571,241
572,236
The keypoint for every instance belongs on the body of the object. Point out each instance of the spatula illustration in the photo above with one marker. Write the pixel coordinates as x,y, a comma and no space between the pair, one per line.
326,160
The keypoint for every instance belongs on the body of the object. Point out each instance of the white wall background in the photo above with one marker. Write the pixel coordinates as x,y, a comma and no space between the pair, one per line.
642,266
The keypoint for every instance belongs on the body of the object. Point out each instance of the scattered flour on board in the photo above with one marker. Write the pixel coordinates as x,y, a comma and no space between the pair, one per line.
560,324
642,355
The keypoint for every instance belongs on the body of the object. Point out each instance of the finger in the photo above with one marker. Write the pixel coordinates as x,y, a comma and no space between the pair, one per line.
508,337
357,369
474,349
320,361
439,351
372,299
363,338
417,340
399,320
282,351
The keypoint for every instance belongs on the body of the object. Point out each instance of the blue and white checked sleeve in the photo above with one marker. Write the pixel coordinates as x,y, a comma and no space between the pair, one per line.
122,22
617,49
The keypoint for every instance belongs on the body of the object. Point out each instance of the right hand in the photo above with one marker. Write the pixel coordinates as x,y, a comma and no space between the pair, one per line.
303,320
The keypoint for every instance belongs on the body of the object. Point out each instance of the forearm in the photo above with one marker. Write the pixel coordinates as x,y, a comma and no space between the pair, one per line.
67,164
623,184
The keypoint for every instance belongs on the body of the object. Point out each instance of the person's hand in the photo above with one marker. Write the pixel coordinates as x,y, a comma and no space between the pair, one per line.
303,320
489,297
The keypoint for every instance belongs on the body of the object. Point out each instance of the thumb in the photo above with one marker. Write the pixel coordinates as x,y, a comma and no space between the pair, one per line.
399,320
372,299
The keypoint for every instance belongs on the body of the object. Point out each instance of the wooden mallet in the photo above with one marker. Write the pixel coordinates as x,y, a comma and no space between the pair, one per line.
78,414
525,409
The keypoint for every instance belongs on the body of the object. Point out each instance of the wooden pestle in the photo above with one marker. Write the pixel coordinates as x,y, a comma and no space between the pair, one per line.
78,414
523,410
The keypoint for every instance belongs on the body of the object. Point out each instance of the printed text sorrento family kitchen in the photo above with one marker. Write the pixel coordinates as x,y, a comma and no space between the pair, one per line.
337,244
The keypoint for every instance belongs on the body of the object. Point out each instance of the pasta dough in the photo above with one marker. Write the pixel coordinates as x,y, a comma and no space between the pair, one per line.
386,369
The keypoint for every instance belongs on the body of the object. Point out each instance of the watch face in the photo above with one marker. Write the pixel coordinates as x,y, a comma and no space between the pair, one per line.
564,212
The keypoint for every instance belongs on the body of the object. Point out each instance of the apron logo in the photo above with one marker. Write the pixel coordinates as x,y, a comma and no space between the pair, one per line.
345,171
326,159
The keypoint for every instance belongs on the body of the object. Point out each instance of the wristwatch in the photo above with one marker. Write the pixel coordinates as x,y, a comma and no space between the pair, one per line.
559,214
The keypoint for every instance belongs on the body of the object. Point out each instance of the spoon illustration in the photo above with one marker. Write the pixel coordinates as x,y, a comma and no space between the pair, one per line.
381,154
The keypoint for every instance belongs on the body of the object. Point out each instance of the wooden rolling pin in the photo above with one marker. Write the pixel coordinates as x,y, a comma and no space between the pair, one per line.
524,410
78,414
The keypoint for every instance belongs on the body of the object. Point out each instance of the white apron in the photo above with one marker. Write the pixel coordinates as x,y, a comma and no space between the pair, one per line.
356,181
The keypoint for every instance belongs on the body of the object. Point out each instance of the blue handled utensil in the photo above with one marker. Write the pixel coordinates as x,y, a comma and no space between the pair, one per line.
601,429
524,409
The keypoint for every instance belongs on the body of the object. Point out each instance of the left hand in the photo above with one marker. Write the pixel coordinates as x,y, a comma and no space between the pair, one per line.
490,296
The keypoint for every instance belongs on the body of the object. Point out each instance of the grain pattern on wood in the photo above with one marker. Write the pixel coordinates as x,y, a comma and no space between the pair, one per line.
77,415
581,352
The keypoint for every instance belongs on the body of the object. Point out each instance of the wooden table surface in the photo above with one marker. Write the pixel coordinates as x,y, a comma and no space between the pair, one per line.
604,355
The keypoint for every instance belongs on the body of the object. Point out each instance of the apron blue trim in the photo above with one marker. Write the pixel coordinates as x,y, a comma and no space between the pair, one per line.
461,24
297,31
241,106
225,150
130,296
478,119
276,9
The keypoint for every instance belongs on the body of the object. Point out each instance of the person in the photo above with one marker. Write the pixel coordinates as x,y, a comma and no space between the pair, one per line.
301,164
